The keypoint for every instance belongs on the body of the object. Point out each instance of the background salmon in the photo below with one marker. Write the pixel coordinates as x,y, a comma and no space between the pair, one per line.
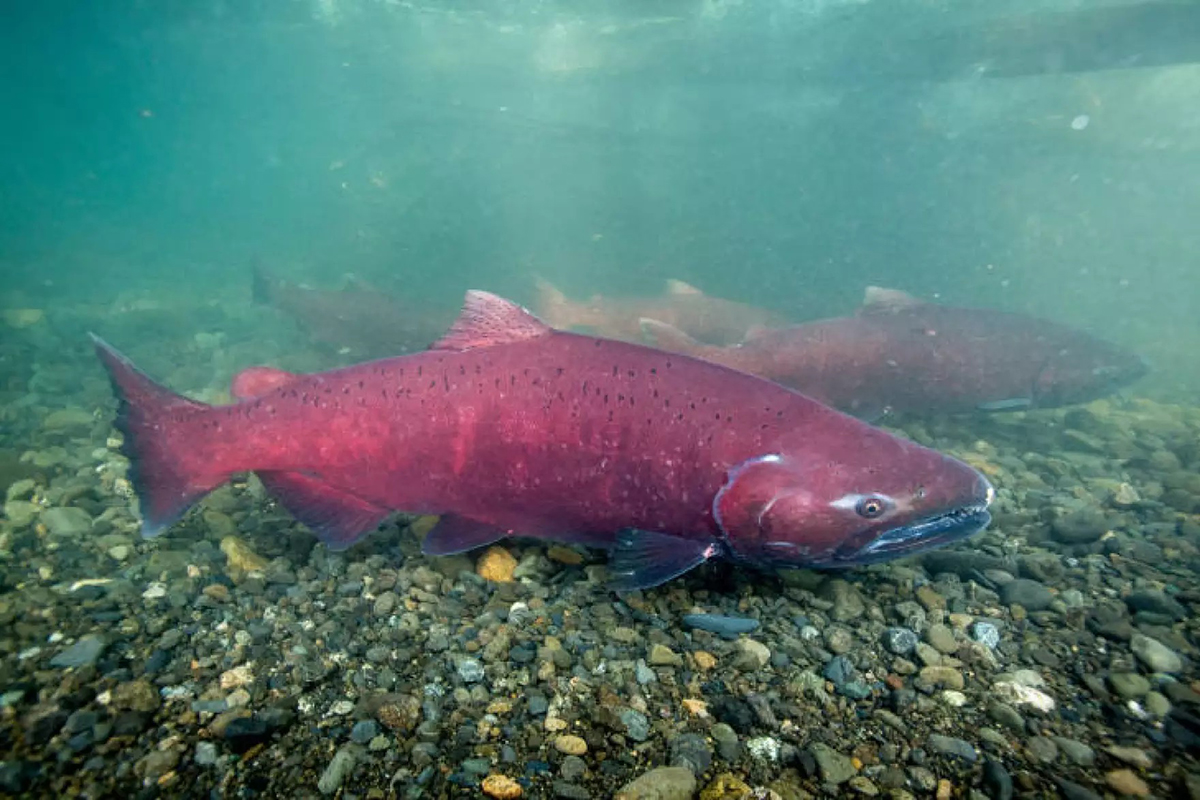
905,355
509,427
709,319
357,319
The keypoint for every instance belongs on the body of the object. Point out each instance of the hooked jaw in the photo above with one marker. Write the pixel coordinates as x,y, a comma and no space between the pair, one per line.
927,533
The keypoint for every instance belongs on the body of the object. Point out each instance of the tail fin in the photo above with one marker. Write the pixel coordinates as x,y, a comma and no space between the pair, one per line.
552,305
668,337
165,469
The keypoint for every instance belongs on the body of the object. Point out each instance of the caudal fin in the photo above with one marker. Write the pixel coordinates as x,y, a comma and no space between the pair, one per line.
167,472
667,337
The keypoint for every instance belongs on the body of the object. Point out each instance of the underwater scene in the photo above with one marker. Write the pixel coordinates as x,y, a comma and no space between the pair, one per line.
690,399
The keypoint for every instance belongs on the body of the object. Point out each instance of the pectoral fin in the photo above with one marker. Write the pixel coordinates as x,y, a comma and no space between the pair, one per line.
642,559
454,534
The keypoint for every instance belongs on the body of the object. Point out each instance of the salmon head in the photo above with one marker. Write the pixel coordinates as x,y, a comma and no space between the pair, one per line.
881,499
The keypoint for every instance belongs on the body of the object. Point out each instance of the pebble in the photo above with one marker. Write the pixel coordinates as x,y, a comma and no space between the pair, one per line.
1155,655
662,656
364,731
691,750
763,748
572,768
986,634
637,726
848,603
721,624
1042,749
206,754
834,767
942,638
952,746
899,641
1126,782
752,655
469,670
939,677
501,787
67,521
496,565
997,781
84,652
1029,594
663,783
570,744
1075,751
242,675
1128,685
1021,695
1156,602
1130,755
928,597
21,513
336,773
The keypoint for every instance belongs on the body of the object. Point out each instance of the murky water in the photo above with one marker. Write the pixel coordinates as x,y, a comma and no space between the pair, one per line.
214,186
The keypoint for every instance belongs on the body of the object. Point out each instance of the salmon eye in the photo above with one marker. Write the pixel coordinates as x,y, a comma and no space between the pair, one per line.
871,507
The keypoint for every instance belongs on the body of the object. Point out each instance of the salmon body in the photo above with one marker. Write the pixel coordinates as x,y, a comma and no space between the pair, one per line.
904,355
358,319
508,427
708,318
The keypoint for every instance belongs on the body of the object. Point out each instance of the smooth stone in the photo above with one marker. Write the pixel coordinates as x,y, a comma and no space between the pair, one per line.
834,767
85,651
942,638
952,746
1155,655
1042,749
1129,685
1029,594
721,624
67,521
663,783
1076,752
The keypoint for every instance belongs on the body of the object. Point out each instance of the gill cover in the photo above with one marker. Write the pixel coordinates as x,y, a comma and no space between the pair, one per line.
750,490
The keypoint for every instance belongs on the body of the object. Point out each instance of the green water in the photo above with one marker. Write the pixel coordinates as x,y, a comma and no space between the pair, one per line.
783,154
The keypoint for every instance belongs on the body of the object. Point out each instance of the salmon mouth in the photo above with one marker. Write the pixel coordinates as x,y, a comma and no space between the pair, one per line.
916,537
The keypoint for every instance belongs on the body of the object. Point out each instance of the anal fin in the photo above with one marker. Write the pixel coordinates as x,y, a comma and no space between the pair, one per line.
454,534
338,518
642,559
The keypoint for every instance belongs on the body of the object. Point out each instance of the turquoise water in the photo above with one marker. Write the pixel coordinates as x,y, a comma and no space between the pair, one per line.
784,155
188,179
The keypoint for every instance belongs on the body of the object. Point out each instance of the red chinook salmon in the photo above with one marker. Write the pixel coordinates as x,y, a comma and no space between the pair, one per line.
357,319
508,427
905,355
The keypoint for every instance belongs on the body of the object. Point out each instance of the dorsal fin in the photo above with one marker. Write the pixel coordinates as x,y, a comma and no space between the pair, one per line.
678,287
877,298
255,381
487,319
